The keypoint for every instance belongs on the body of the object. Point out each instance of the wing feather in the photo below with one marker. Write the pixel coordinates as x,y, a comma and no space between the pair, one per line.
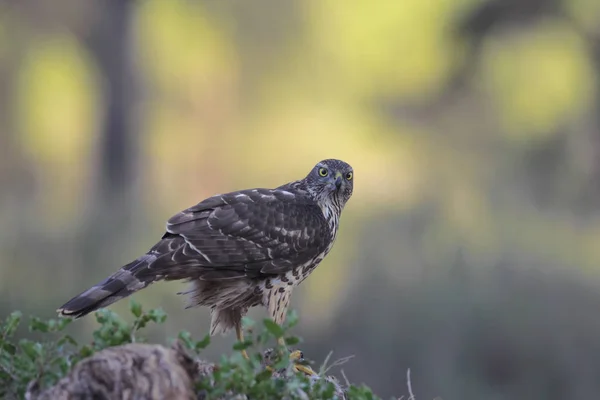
249,233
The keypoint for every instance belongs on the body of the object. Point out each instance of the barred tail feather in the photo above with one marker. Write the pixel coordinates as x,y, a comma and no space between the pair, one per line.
129,279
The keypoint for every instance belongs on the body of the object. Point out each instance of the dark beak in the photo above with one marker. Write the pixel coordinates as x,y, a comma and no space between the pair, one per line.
338,182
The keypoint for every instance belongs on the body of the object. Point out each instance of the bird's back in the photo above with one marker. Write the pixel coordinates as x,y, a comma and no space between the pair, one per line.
248,234
238,247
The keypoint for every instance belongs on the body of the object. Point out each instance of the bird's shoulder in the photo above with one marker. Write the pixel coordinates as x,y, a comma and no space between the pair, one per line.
257,206
247,233
286,194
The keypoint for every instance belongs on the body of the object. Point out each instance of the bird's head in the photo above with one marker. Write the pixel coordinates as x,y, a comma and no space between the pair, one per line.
331,181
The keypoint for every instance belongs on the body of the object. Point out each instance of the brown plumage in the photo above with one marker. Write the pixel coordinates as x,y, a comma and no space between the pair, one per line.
239,249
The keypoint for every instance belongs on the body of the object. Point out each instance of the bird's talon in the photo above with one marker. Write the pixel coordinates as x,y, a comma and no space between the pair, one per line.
305,369
296,368
297,355
245,355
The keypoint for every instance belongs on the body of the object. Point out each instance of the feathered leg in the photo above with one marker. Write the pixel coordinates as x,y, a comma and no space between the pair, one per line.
278,301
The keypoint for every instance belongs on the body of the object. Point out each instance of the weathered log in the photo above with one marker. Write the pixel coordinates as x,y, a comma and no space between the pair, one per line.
141,371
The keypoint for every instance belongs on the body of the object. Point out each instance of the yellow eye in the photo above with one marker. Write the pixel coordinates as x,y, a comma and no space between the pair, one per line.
349,176
323,171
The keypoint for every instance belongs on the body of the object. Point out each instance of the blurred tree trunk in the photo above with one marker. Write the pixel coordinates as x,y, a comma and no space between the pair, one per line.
593,190
112,206
110,43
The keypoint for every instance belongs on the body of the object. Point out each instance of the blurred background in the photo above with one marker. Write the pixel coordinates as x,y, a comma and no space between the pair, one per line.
470,251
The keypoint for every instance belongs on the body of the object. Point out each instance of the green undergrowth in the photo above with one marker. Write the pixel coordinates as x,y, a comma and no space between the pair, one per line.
49,359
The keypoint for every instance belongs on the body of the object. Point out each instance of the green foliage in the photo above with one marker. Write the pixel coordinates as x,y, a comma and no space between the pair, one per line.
23,361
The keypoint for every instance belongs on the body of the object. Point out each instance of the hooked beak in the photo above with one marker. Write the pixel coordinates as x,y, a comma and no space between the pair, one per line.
338,180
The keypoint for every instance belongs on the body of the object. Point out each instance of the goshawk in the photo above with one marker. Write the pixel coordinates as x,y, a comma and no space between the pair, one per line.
239,250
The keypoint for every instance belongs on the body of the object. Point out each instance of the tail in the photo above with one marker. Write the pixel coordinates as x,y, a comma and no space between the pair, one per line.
128,280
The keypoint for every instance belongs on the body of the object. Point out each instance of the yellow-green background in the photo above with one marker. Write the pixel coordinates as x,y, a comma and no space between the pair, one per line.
470,250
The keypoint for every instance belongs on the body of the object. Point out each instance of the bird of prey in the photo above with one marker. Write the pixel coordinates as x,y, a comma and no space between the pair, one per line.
239,249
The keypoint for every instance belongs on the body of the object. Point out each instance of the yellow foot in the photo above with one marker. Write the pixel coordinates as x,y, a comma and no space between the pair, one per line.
245,355
297,355
240,336
305,369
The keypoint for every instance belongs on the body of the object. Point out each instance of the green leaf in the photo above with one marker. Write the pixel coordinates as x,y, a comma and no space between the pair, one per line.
9,348
157,315
106,317
37,324
263,375
66,340
63,365
63,323
246,344
273,328
86,351
101,316
12,323
4,376
329,390
141,323
33,350
282,363
362,392
135,307
292,340
202,344
186,338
